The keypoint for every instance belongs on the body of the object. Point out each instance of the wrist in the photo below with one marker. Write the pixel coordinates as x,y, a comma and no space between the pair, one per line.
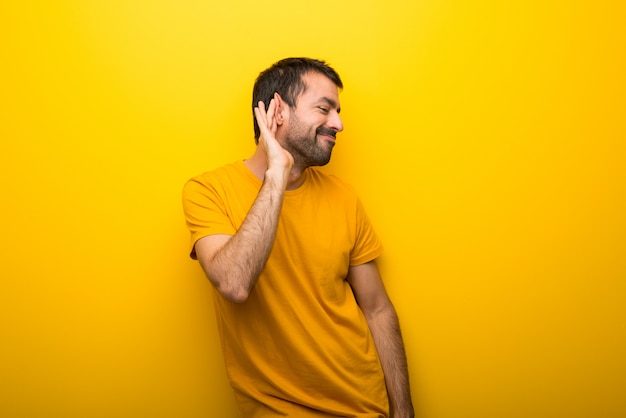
276,177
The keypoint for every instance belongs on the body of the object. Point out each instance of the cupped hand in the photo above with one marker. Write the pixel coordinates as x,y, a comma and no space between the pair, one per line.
277,157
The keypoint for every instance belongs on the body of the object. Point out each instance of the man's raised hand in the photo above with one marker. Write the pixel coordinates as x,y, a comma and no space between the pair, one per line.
277,157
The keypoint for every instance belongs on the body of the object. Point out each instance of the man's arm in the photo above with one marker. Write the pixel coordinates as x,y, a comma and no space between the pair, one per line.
383,323
233,263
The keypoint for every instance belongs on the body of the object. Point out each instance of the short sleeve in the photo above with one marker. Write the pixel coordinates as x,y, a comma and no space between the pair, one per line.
204,211
367,245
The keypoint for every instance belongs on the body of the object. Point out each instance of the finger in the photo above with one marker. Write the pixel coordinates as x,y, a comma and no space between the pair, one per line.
260,118
271,109
271,116
261,108
264,124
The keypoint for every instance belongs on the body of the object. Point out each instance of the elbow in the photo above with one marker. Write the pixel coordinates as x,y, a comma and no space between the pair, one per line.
384,312
229,284
231,290
234,295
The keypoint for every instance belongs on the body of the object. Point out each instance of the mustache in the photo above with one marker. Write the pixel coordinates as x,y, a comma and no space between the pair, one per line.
326,131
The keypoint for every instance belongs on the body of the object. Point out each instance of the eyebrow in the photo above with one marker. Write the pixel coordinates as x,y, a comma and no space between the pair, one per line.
330,102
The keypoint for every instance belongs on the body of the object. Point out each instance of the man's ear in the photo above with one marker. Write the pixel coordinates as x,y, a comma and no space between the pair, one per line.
281,109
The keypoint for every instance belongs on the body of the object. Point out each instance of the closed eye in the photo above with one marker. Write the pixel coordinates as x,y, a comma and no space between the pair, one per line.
323,109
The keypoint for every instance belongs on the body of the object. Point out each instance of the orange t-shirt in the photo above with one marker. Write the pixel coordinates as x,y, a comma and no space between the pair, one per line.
300,345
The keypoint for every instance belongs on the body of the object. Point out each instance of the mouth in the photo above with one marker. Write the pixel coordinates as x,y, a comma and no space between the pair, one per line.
329,139
327,134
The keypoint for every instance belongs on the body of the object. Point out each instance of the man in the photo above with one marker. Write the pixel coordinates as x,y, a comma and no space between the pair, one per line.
307,328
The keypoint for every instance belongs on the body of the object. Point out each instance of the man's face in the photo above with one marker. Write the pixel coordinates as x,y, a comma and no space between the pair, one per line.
314,122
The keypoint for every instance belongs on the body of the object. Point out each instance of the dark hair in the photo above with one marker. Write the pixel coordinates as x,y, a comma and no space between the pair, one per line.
285,78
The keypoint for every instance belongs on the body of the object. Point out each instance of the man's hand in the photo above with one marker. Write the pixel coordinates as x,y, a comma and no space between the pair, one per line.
279,160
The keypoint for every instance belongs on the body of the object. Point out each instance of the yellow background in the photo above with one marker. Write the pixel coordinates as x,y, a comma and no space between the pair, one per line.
486,138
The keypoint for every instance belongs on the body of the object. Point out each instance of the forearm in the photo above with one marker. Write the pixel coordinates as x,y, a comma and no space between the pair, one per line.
236,266
388,339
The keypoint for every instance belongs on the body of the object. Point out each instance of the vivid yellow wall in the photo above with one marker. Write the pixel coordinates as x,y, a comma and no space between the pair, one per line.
487,139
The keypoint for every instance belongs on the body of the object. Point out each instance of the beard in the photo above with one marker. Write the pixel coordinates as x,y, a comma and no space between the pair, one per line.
307,148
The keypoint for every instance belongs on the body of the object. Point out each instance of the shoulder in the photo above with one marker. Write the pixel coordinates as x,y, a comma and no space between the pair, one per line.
215,175
217,178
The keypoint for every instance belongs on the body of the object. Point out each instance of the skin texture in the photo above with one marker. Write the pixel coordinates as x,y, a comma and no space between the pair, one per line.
291,140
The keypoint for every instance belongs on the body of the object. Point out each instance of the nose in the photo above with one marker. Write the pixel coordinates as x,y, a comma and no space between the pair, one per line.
335,122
